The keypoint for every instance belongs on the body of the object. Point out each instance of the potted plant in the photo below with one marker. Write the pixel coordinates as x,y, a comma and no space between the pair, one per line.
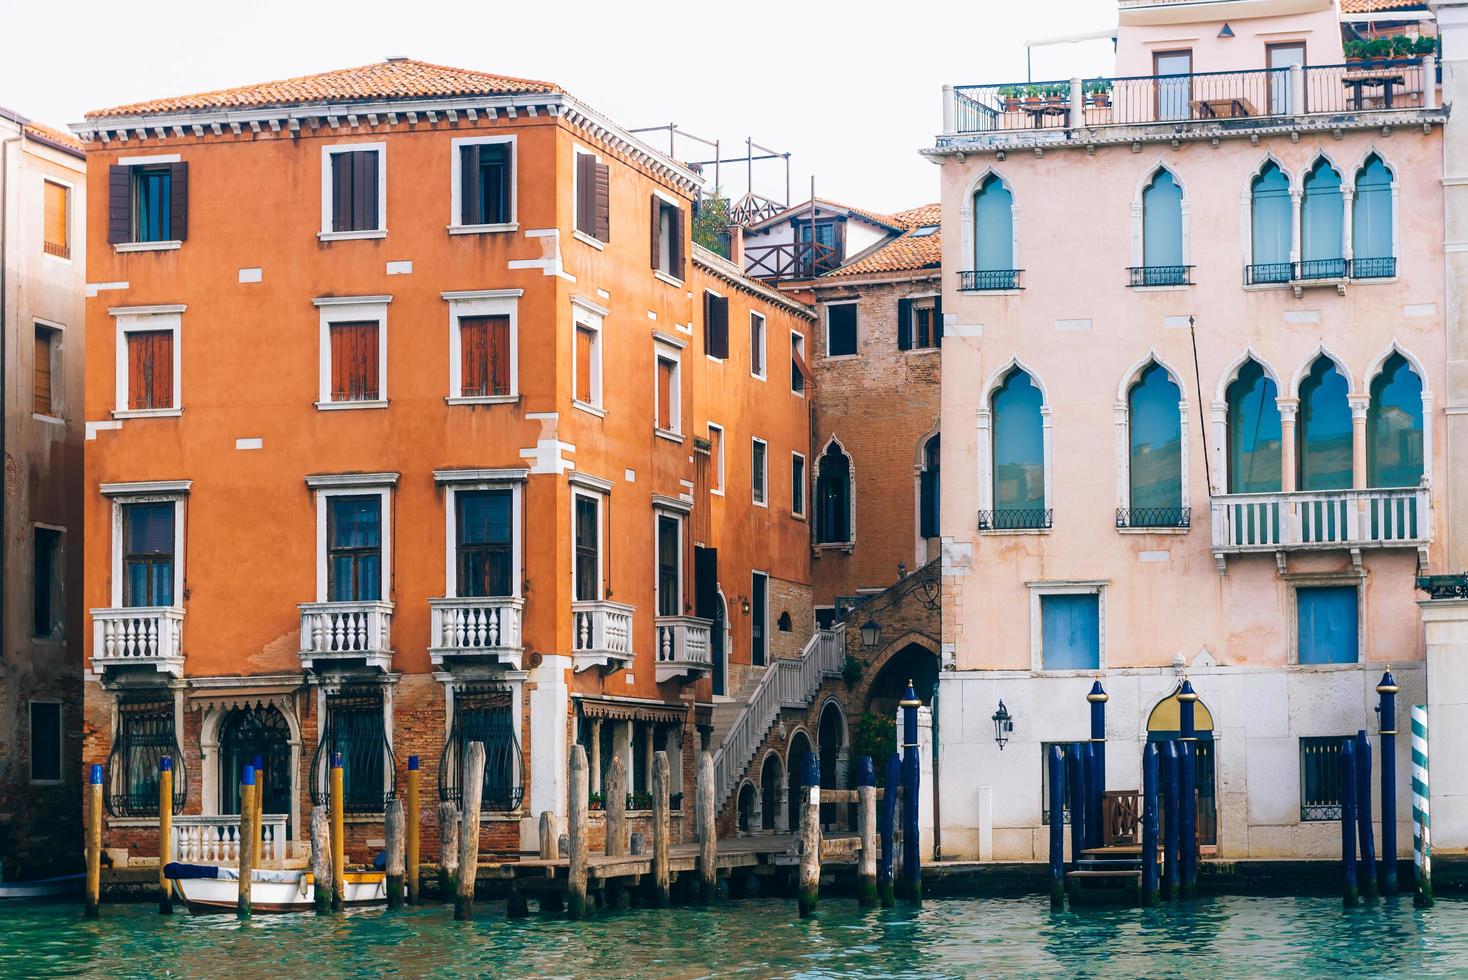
1057,94
1099,89
675,801
1378,49
1425,45
1010,94
1355,51
1402,46
593,801
1032,95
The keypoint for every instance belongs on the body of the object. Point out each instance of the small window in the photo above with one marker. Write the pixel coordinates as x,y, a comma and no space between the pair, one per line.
1320,778
670,561
669,402
833,496
146,203
485,532
930,489
799,373
667,238
45,741
1070,631
486,188
152,204
841,330
759,471
920,323
588,547
759,600
354,366
48,620
1327,619
149,369
716,457
797,484
484,713
923,231
784,624
757,345
56,237
587,381
356,190
355,726
145,734
593,197
484,356
354,548
44,374
147,554
716,325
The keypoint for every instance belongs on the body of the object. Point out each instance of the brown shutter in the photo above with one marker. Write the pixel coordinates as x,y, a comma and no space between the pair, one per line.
717,334
367,368
585,193
364,180
657,231
341,192
938,321
178,215
583,365
904,324
665,393
119,204
150,369
603,180
43,372
473,356
498,356
469,184
678,263
354,368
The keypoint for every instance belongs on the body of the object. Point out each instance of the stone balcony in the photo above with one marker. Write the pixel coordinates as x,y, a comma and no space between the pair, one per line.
482,630
138,636
1312,520
601,634
346,631
683,649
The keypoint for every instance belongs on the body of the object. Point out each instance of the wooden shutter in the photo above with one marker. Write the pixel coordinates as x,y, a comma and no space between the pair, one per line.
705,582
585,193
715,325
473,356
354,368
499,355
43,372
602,177
665,393
677,264
938,321
119,204
657,231
149,369
904,324
364,190
469,204
178,205
56,241
583,364
341,192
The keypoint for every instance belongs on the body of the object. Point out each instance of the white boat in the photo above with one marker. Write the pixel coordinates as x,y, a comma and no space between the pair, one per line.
45,888
273,891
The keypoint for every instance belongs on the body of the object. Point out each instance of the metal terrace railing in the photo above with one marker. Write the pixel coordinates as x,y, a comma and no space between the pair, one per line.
1233,99
1319,270
789,260
1159,275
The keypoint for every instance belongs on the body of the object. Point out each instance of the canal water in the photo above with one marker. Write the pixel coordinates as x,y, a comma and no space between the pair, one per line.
1215,937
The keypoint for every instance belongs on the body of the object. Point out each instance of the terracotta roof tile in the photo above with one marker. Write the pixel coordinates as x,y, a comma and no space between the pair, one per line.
905,253
398,79
1373,6
55,137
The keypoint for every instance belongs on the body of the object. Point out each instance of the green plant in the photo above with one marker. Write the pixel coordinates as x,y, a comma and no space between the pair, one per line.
593,801
876,736
851,671
675,801
1402,46
1425,45
1355,50
1032,91
639,801
1098,86
711,222
1379,47
1010,91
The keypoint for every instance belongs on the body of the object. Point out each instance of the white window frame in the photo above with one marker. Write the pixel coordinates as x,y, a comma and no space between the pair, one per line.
717,458
57,368
985,445
678,515
455,482
804,486
163,491
327,152
1122,412
353,485
665,246
456,186
585,313
826,322
765,632
482,302
674,431
576,232
1037,632
61,638
1327,580
759,501
764,361
351,309
140,319
797,346
60,742
71,223
598,491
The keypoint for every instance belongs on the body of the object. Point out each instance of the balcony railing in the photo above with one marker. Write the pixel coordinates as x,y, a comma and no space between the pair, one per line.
1321,519
601,634
683,647
1327,271
985,280
334,631
216,839
486,628
1015,519
790,260
1172,518
1231,99
138,636
1160,275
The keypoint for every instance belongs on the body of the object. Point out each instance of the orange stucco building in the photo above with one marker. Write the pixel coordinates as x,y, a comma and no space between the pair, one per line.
414,416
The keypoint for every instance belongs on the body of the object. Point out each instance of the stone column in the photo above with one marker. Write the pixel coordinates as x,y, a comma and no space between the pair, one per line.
1287,467
596,755
550,707
1446,626
1452,522
1359,405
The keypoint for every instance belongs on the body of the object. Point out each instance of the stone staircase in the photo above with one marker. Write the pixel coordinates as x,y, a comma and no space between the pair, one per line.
727,712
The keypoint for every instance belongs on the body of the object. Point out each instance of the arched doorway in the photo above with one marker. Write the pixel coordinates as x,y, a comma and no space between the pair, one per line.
716,644
831,737
770,783
745,808
912,662
794,767
1162,726
244,734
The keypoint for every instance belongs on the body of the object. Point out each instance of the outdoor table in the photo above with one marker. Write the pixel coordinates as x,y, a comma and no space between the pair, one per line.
1230,108
1383,78
1038,112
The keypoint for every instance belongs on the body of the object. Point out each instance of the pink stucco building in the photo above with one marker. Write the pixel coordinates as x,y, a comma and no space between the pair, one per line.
1201,313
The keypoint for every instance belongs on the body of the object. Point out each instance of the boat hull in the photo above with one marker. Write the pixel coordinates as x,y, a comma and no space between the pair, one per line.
206,896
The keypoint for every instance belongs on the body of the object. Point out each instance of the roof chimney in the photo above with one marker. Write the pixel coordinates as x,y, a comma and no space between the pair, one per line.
396,57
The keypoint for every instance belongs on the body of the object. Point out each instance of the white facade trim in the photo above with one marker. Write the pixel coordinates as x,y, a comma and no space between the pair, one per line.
348,309
456,184
360,487
472,303
329,150
142,319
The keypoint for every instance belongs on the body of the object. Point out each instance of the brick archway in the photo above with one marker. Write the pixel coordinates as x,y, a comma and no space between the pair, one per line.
909,645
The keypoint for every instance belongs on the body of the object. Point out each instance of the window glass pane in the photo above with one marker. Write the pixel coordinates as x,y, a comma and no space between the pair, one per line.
756,344
758,600
1327,620
356,522
45,741
152,205
833,497
758,474
1162,222
797,485
1325,430
494,171
1272,216
669,600
485,537
1254,445
841,330
929,490
148,554
1173,94
588,545
1070,637
1371,212
354,541
1156,463
48,607
1322,215
1394,427
993,226
1019,445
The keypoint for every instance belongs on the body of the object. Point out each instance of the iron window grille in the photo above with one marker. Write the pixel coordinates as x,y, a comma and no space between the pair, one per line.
354,726
1268,273
1320,269
1154,517
483,713
1160,275
1320,778
982,280
145,734
1016,519
1384,267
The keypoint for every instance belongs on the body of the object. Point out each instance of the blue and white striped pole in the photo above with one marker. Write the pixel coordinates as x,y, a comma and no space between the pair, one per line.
1421,818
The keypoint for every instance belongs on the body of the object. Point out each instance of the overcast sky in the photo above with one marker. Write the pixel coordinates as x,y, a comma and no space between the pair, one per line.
851,90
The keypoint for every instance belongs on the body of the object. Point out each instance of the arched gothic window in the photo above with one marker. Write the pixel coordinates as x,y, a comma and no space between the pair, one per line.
928,490
1322,224
1162,223
1394,443
1019,454
1271,215
1155,461
1323,459
1254,438
833,497
1372,256
994,236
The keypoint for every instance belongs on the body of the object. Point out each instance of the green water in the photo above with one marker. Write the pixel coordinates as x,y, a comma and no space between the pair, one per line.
1220,937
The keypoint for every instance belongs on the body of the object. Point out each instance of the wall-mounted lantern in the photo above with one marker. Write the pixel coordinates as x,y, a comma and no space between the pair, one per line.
1003,725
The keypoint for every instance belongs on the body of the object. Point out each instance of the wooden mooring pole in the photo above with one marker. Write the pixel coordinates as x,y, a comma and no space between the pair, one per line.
1075,771
662,879
1351,894
414,819
448,849
866,822
1187,701
1171,877
249,841
810,835
321,858
615,845
165,833
94,842
472,793
1386,691
910,886
394,835
1055,772
577,830
338,836
707,830
1364,836
887,827
1149,823
1421,811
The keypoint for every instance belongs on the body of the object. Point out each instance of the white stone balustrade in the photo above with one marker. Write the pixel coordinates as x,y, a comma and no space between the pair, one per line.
347,631
683,649
487,628
138,636
215,839
1321,519
601,634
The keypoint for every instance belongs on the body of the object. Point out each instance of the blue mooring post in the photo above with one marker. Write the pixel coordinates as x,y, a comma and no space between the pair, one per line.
886,826
1387,875
1092,802
1149,824
1188,789
1351,894
911,884
1097,698
1364,835
1055,772
1075,767
1170,819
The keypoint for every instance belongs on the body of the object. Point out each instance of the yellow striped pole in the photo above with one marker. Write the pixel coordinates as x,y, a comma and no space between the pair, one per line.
338,841
94,843
165,832
249,840
413,820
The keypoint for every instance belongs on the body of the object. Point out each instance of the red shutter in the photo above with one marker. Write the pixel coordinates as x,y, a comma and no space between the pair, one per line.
474,356
354,368
657,231
499,355
149,369
469,184
665,394
119,204
603,180
178,216
583,365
